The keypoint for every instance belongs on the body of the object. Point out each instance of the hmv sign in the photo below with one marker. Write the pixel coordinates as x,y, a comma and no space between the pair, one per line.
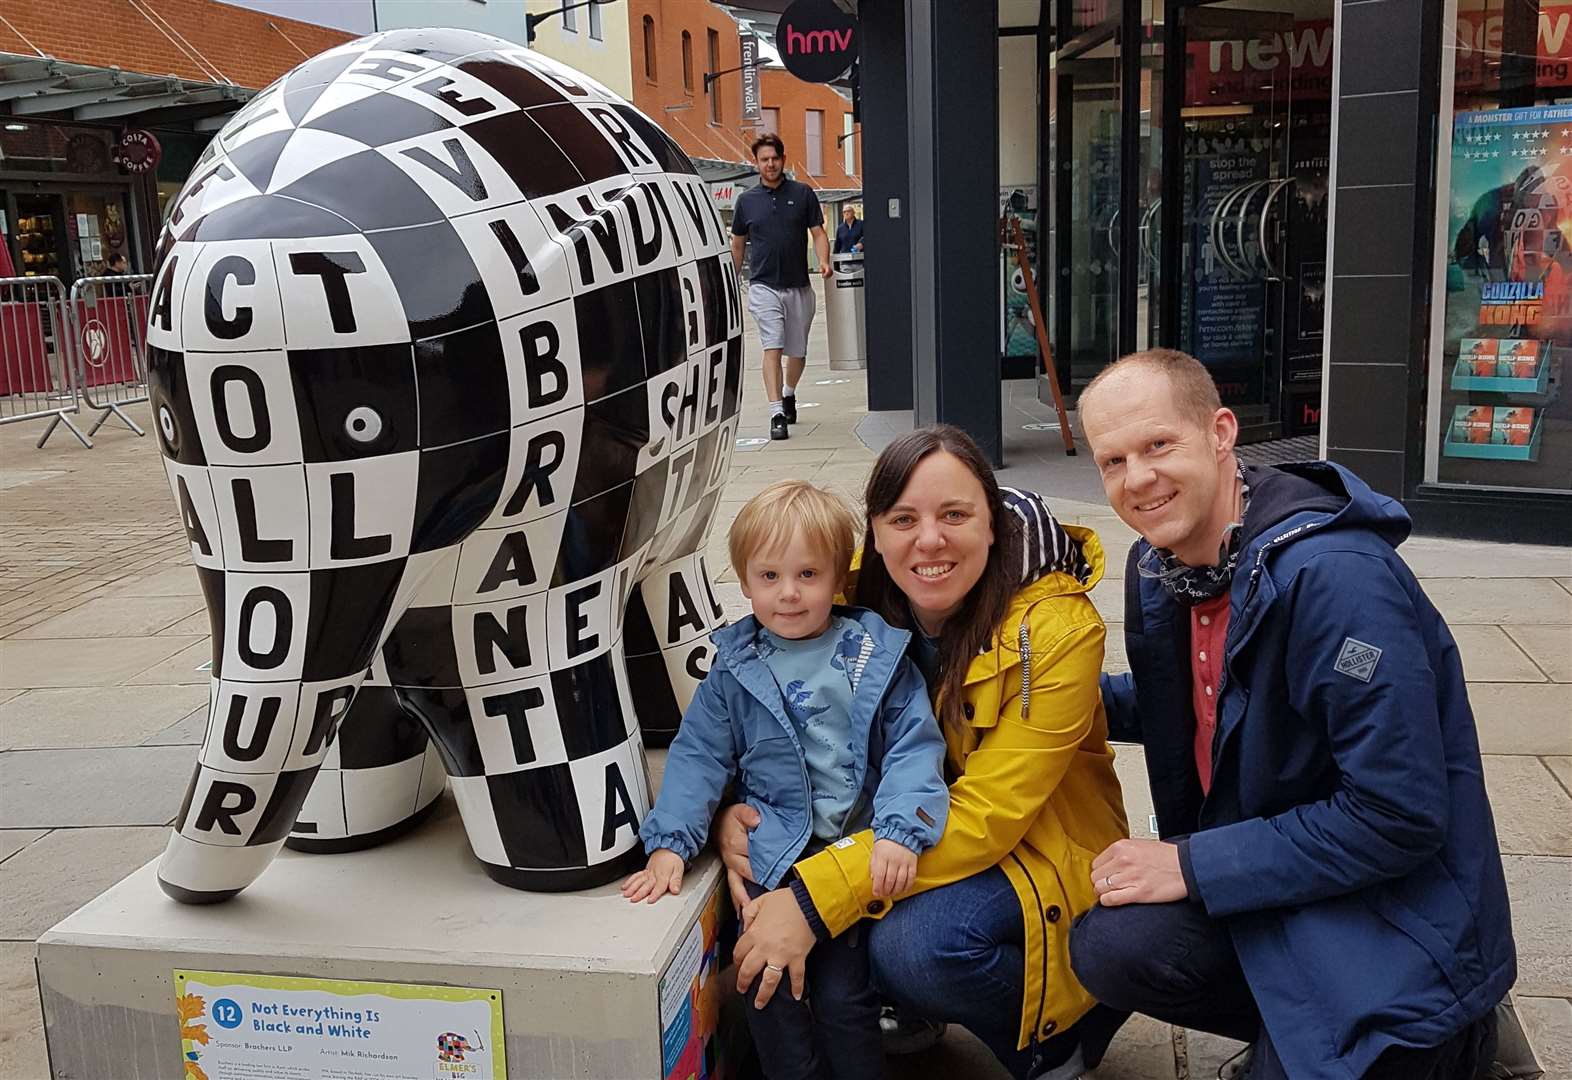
817,40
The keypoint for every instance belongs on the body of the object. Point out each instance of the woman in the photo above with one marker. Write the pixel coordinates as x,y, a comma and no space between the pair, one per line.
982,937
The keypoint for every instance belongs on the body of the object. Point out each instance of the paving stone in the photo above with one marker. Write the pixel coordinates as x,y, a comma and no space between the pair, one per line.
1533,812
1521,718
129,785
1115,659
1548,1023
193,664
133,616
94,716
198,622
1130,766
1208,1053
1108,598
1489,655
59,873
1541,891
85,662
1562,767
14,840
22,1054
7,695
1142,1050
1549,645
189,731
1445,557
1515,600
170,581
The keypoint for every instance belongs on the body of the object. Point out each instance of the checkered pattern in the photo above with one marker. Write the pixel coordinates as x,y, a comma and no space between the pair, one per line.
445,355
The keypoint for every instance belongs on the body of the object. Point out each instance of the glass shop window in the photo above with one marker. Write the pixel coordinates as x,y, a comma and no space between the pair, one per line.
1499,410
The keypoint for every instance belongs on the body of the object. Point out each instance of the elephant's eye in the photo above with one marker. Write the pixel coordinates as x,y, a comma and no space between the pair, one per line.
363,424
166,424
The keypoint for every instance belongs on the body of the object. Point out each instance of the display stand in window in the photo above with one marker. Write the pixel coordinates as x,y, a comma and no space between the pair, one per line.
1505,420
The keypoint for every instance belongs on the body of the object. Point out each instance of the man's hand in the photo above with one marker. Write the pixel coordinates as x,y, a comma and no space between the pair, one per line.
1138,872
662,875
777,942
826,270
893,868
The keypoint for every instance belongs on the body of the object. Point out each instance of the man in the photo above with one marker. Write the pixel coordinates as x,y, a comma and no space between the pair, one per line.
1328,884
776,218
848,236
116,264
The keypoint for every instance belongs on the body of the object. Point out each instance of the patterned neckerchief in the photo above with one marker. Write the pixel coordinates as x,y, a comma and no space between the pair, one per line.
1192,585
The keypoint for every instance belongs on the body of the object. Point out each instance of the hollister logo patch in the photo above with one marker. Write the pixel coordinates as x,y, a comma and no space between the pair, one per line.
1357,660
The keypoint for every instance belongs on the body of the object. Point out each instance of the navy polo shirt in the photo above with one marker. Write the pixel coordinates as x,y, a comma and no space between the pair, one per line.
776,222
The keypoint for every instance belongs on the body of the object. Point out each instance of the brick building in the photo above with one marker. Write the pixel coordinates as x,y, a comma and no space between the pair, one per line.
675,42
77,75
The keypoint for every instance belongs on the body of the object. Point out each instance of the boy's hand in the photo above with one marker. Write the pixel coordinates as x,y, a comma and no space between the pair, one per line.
662,875
893,868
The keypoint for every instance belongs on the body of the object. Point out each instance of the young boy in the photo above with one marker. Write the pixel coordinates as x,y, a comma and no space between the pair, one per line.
825,727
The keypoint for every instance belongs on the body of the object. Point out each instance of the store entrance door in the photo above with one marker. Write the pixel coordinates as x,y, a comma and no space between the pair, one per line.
1247,162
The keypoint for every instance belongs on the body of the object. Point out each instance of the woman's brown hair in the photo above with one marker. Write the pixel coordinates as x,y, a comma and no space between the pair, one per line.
971,629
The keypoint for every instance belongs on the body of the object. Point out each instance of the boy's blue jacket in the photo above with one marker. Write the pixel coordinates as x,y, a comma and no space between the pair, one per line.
736,726
1347,842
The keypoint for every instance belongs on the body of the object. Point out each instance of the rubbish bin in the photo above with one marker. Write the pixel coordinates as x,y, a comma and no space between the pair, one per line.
845,309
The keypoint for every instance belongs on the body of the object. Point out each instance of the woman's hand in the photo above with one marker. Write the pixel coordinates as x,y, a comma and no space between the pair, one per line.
731,829
777,942
1138,872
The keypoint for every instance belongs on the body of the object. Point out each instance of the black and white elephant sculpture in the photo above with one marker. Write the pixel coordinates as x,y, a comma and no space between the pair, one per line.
445,358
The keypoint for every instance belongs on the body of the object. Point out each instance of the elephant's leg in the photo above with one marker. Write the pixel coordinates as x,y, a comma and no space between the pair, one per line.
532,713
673,609
380,778
285,674
382,775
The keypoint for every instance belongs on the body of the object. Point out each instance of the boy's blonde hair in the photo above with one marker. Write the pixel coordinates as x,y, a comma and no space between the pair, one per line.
768,520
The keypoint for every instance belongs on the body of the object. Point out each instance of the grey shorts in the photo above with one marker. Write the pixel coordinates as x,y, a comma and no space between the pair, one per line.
783,316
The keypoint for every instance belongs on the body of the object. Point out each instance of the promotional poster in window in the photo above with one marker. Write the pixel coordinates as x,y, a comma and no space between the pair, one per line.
1504,418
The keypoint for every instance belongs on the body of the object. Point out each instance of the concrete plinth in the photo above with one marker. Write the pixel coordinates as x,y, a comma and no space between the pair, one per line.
580,973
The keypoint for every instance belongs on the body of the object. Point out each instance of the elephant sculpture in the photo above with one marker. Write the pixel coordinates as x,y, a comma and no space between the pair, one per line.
445,361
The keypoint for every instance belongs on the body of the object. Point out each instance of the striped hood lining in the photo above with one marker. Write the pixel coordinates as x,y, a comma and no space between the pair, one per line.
1046,546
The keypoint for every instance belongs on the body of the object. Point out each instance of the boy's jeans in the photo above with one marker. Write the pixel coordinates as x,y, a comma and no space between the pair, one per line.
833,1032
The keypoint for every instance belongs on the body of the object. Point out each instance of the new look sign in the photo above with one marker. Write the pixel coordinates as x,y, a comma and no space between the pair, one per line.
817,40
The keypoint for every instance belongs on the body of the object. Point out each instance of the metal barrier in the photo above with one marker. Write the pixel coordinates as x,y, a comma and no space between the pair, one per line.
37,376
109,333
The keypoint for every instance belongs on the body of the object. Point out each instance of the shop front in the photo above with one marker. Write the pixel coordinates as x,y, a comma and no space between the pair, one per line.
1498,415
1188,144
65,208
88,157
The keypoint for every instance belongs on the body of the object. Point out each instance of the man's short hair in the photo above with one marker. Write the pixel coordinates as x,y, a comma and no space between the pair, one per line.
768,520
769,138
1194,390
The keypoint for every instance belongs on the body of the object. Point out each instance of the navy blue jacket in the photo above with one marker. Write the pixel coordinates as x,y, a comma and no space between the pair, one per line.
736,729
1347,842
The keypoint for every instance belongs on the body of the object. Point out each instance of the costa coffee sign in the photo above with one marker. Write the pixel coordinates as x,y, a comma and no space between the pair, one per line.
817,40
138,151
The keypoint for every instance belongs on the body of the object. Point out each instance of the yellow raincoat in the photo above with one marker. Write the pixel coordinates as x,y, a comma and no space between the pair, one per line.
1033,790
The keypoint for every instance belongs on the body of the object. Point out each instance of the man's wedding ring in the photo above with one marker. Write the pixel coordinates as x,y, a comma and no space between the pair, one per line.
775,968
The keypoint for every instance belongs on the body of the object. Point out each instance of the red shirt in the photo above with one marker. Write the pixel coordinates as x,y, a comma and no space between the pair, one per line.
1208,633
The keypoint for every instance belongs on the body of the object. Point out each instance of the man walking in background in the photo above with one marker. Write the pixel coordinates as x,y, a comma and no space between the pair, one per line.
848,238
776,218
